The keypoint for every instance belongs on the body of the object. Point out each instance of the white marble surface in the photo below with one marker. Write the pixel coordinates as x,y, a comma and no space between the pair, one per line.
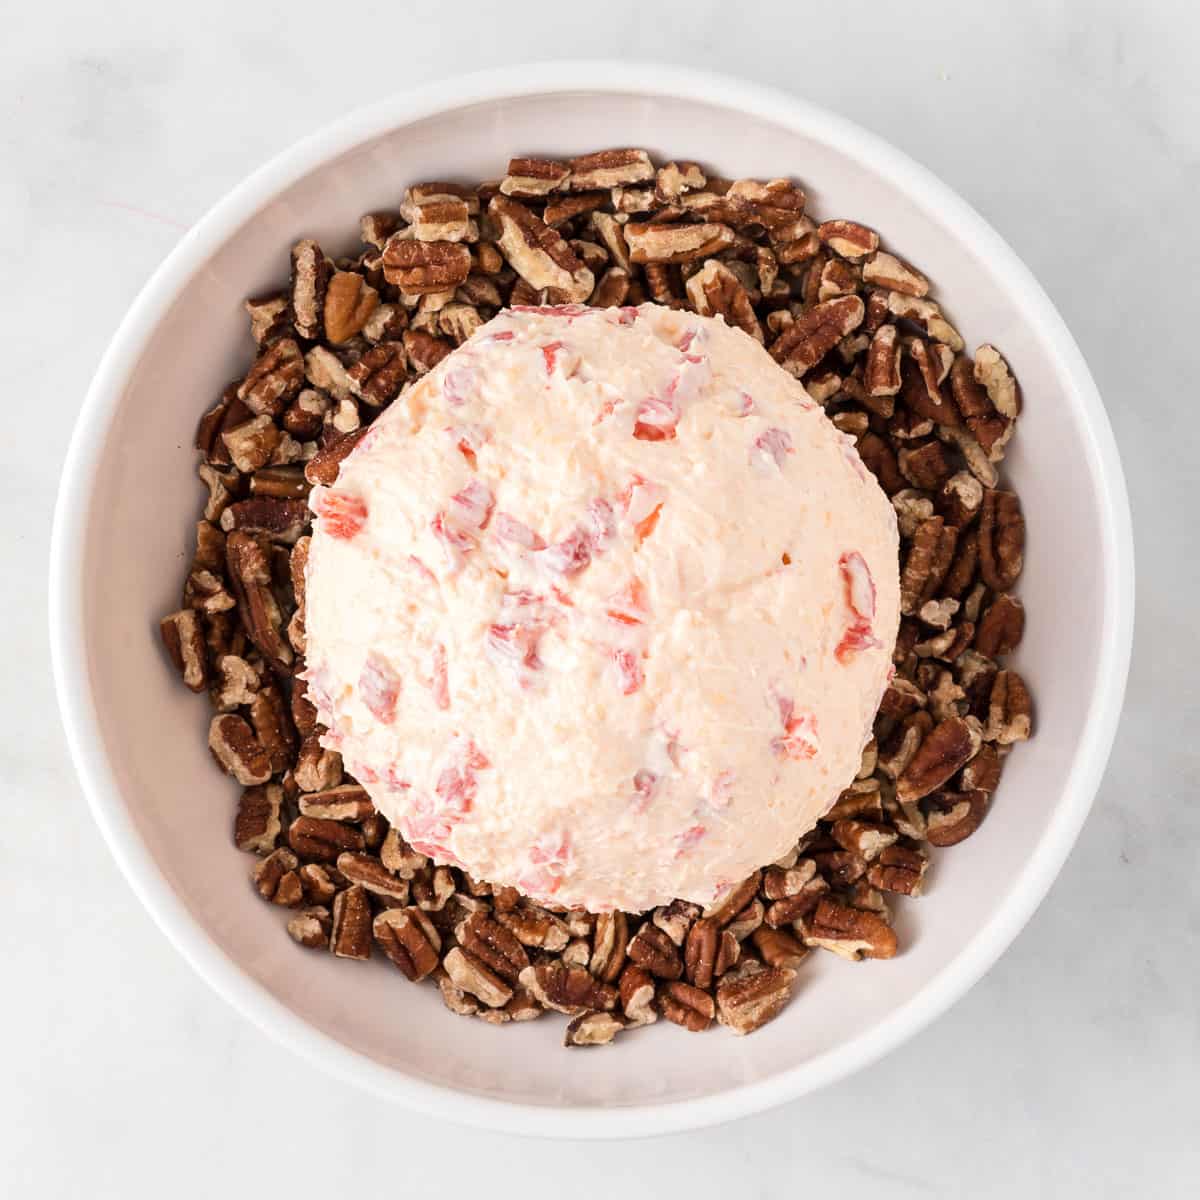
1072,1069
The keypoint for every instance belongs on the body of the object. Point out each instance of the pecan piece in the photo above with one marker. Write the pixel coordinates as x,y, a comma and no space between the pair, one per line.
675,919
534,927
237,750
1001,539
715,289
399,857
438,218
882,375
814,333
674,179
900,869
311,272
748,920
945,750
529,178
851,933
418,268
275,378
1009,717
848,238
735,901
349,802
273,727
268,317
323,467
250,573
1001,626
311,927
183,638
609,169
608,946
866,839
492,944
928,560
568,989
251,445
894,274
379,374
961,498
747,1002
409,939
658,242
476,978
710,952
637,991
538,253
349,303
612,234
280,520
369,873
653,949
779,947
424,350
991,371
350,935
612,289
257,823
592,1029
927,315
982,773
275,879
316,767
316,840
686,1005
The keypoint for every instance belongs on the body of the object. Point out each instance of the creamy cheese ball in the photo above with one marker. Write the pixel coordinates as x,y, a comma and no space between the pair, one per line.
602,608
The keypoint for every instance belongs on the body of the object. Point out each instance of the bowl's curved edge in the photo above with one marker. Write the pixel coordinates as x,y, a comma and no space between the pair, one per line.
69,649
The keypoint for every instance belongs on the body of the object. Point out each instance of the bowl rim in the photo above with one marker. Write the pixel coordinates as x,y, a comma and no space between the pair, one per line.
69,646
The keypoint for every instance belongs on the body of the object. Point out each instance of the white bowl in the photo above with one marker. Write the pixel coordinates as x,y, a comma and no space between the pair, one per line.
122,533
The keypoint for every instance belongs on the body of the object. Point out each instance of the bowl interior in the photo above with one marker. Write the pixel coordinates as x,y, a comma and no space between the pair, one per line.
146,498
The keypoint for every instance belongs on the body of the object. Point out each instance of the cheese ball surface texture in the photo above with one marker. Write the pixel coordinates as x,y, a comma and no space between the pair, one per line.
602,607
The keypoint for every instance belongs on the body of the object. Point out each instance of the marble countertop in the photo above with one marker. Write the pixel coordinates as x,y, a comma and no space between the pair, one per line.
1072,1070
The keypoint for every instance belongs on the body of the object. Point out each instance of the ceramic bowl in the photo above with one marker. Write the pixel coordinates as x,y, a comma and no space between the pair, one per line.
129,499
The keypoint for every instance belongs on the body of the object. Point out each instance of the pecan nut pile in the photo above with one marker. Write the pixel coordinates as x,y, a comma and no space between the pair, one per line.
834,308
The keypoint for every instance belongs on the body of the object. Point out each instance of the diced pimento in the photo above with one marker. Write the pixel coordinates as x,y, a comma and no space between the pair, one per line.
601,524
342,514
552,310
689,839
428,830
629,671
645,784
745,404
505,335
512,641
630,605
800,739
643,502
457,385
509,529
379,687
468,439
568,556
456,542
626,315
858,636
456,785
556,354
439,677
685,341
773,444
549,857
473,505
656,419
859,584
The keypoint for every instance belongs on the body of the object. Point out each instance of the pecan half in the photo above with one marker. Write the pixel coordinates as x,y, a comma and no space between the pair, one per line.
945,750
851,933
609,169
493,945
409,939
350,936
709,952
655,242
1010,710
380,373
349,303
1001,539
688,1006
653,949
257,822
848,238
900,869
747,1002
814,333
316,840
894,274
1001,626
538,253
183,639
568,989
349,802
237,750
417,268
370,874
474,977
951,817
608,946
716,290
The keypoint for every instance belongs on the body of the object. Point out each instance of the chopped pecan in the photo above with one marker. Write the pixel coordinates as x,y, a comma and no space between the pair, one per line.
183,638
320,883
1010,710
674,179
534,926
568,989
748,920
438,218
279,483
562,209
609,938
311,271
710,952
779,947
280,520
316,840
380,373
813,334
945,749
991,371
609,169
1001,626
675,919
848,238
657,242
349,303
637,991
1001,539
592,1029
538,253
493,945
894,274
784,911
275,378
275,878
257,823
612,289
929,558
653,949
982,773
927,315
867,839
268,317
432,887
474,977
861,800
237,750
899,868
880,459
417,267
715,289
781,882
369,873
273,727
323,467
882,375
409,939
529,178
851,933
686,1005
250,573
310,927
251,445
735,901
838,278
350,935
459,321
961,498
349,802
747,1002
424,351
